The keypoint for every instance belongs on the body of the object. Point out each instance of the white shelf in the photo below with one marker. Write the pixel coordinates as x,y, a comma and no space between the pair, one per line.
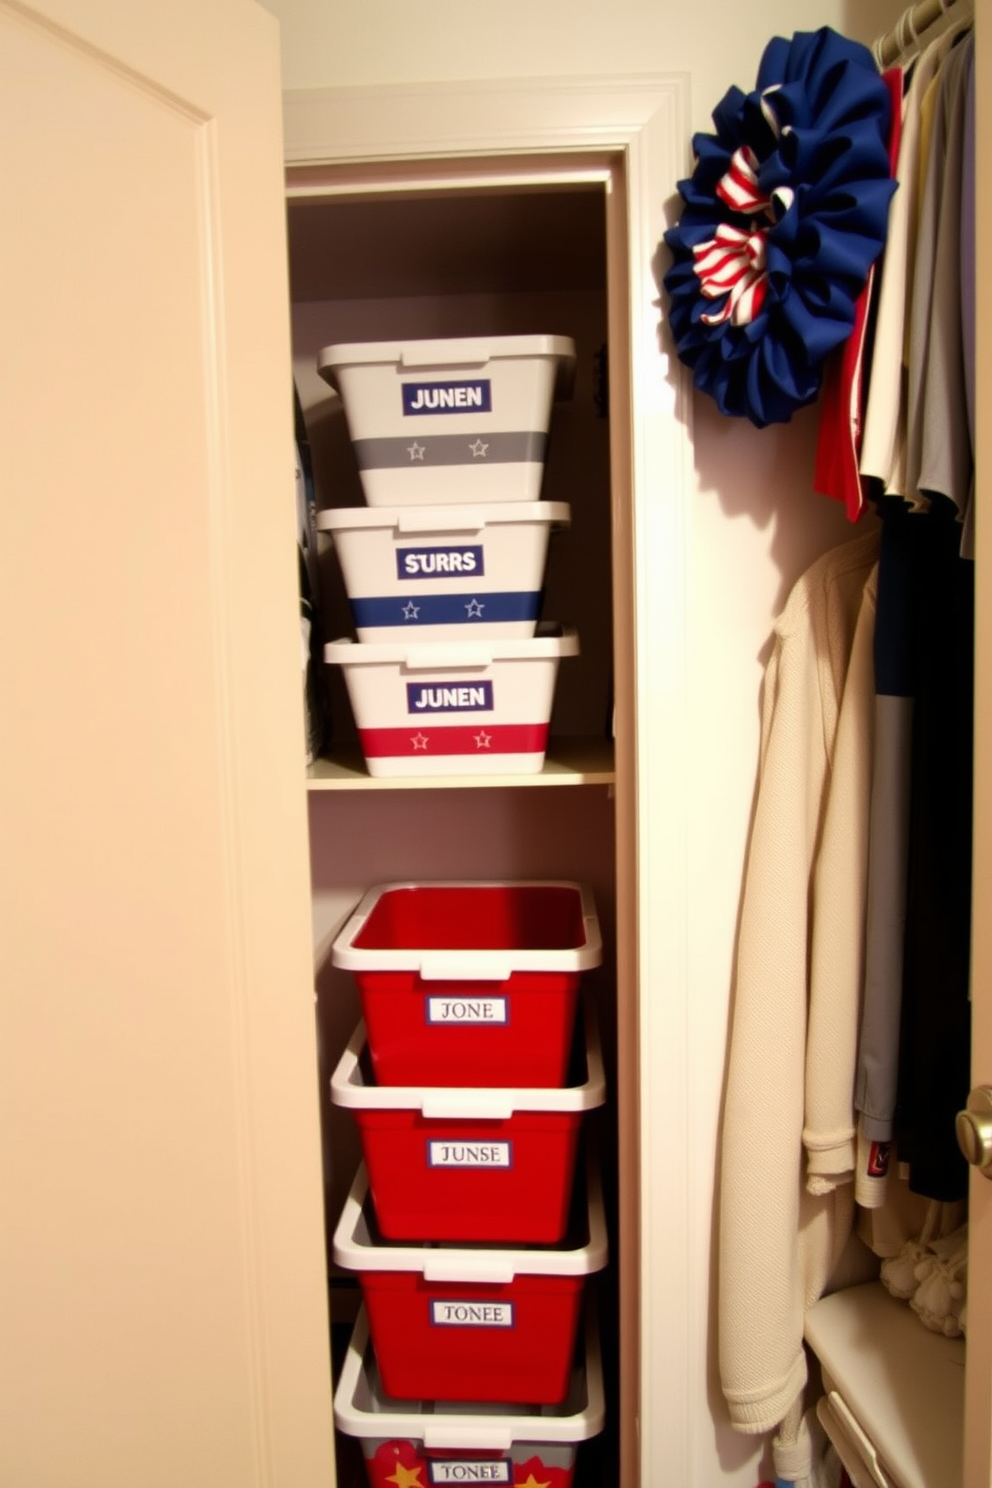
903,1384
568,762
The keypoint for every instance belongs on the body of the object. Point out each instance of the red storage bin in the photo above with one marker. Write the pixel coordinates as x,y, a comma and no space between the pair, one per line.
470,983
480,1323
439,1442
449,1163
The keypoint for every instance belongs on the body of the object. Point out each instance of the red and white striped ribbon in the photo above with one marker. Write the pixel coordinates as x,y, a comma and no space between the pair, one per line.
732,263
739,186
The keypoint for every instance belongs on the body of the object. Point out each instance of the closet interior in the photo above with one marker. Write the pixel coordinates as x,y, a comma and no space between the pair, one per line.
892,1351
499,252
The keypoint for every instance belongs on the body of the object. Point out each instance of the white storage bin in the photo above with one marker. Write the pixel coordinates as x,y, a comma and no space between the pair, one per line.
461,707
452,420
444,572
437,1442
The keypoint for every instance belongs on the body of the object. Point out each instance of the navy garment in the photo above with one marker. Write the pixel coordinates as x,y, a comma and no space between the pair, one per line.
935,1027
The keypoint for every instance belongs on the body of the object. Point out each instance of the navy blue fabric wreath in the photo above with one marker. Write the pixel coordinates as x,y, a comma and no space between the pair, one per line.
785,212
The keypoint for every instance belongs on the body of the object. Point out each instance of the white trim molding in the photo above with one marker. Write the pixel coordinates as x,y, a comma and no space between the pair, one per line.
631,133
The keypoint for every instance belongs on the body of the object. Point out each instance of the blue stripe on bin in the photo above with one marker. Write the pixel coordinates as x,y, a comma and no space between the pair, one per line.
411,610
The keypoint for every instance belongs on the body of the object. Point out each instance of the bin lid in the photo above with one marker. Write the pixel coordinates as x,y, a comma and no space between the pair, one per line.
358,1246
483,964
362,1409
428,656
352,1088
444,519
444,352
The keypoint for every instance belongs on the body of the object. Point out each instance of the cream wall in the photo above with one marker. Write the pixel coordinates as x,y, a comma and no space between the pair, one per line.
756,523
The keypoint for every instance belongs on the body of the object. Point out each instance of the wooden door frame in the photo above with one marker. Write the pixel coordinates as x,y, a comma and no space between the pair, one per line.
631,133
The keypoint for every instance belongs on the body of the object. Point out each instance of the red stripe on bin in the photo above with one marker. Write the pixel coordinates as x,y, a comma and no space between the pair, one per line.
474,738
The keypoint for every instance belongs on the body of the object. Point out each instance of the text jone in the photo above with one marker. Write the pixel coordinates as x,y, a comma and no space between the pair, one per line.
462,1010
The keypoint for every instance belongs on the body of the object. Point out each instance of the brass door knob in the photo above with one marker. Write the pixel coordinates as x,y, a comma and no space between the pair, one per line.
974,1129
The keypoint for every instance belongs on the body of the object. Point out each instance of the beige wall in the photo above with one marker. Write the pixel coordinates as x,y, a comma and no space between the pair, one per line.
756,523
345,43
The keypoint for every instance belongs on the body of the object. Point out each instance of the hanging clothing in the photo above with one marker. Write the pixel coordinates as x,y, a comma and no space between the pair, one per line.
780,1241
924,626
935,1023
883,446
939,455
901,555
842,400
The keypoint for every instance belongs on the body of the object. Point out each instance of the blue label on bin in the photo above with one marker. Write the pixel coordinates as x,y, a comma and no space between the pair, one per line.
439,563
448,1313
449,697
451,1471
473,396
447,1154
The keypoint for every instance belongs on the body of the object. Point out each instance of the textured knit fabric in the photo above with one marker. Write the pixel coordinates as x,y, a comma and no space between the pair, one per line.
779,1243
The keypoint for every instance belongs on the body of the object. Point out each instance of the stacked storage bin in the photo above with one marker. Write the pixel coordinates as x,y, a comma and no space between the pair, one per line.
477,1215
444,565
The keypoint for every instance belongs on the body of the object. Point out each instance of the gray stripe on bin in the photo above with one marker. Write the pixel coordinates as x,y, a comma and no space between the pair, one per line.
525,446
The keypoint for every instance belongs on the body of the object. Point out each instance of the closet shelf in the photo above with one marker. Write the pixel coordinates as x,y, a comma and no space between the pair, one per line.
574,761
902,1384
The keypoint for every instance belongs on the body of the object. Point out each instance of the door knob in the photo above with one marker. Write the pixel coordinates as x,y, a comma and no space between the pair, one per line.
973,1126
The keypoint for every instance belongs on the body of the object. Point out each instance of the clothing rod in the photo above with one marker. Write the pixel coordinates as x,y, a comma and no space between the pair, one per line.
910,25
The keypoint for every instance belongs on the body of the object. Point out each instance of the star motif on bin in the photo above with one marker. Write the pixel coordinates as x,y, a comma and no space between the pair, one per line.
416,451
474,609
419,741
533,1483
408,1477
483,740
410,610
478,447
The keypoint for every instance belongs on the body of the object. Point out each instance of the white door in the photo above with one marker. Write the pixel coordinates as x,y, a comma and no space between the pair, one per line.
162,1292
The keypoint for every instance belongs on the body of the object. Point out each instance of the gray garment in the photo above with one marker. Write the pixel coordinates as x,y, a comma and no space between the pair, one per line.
888,854
939,444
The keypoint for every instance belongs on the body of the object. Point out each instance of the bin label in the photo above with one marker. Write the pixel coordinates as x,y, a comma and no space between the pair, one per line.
472,396
470,1472
459,1010
449,697
469,1154
448,1313
440,563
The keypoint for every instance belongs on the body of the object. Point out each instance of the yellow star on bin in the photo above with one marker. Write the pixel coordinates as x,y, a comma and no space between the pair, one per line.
409,1477
533,1483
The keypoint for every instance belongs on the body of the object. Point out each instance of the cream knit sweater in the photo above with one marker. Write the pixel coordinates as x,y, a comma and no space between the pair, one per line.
786,1192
